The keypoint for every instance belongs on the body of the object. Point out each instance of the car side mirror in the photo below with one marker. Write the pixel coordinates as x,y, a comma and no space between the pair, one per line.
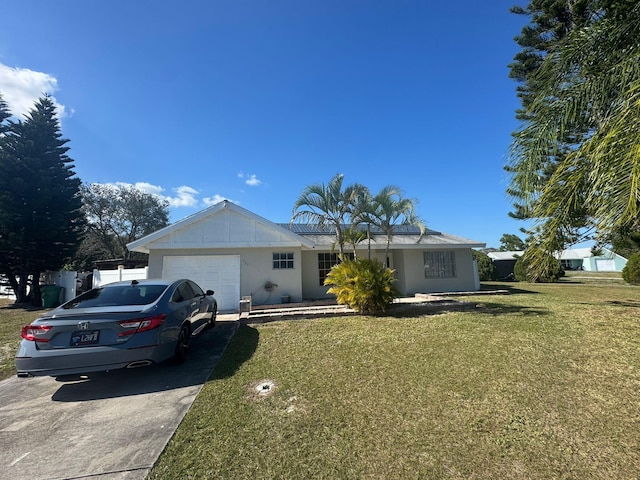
209,292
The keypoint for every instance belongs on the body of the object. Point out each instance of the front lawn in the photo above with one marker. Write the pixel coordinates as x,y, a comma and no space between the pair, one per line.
542,383
12,319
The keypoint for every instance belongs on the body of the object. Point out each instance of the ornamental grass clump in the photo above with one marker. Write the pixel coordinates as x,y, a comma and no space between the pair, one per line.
363,284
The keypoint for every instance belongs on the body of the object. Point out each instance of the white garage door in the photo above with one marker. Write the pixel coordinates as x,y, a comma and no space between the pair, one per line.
605,265
220,273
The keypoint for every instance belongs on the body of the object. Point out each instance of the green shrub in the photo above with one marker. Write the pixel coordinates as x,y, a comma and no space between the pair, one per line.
363,284
631,271
537,266
486,268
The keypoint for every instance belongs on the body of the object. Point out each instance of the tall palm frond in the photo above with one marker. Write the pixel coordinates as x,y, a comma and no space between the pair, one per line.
389,209
329,204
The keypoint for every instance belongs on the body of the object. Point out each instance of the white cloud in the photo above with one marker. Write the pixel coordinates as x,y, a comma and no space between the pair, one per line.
251,180
145,187
186,197
21,88
208,201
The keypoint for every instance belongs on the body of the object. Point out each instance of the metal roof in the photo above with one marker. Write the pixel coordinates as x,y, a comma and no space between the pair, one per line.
405,236
315,229
512,255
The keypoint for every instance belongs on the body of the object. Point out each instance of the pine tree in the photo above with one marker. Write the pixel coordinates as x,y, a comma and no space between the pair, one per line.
587,90
40,207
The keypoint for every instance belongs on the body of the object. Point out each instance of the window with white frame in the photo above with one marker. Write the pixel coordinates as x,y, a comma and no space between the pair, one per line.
326,261
440,264
282,260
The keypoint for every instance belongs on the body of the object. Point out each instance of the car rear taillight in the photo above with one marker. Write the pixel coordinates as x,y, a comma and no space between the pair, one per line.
141,324
34,333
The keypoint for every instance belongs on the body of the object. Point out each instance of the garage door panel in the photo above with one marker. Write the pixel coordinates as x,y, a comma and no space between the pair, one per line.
220,273
227,276
607,265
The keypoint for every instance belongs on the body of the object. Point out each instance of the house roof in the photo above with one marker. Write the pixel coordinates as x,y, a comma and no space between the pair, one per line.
314,229
143,244
580,253
280,234
404,236
575,254
511,255
568,254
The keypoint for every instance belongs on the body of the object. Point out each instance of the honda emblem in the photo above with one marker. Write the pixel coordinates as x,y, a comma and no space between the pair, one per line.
83,325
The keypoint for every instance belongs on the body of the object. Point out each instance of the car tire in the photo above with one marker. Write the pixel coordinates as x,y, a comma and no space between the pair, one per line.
214,314
182,347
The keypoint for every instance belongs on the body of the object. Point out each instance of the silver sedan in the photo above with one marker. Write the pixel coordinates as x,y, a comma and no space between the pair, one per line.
122,324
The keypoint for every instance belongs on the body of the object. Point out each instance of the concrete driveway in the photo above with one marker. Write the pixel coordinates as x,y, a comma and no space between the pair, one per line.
110,426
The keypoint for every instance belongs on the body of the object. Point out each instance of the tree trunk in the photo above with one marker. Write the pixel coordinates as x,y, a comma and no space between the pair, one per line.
14,284
20,289
35,294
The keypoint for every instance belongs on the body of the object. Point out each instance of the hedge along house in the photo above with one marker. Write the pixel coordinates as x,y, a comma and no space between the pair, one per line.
237,253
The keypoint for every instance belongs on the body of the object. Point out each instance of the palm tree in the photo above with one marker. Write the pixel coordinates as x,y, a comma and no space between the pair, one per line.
328,205
388,210
353,236
591,84
361,215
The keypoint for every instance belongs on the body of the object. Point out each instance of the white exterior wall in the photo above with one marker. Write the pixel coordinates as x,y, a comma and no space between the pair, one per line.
410,271
409,266
256,268
311,288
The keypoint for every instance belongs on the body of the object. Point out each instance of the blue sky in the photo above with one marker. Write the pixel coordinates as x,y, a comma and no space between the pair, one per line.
254,100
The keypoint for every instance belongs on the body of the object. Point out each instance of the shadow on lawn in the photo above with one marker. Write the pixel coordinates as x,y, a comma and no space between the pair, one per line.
509,287
240,349
624,303
492,308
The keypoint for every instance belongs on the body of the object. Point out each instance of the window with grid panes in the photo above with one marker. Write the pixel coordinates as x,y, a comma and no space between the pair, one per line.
326,261
440,264
283,260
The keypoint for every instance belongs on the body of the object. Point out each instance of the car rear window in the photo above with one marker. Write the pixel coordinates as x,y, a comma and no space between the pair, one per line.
117,295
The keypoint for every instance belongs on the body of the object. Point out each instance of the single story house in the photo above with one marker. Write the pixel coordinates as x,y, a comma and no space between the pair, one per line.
570,259
584,259
504,262
237,253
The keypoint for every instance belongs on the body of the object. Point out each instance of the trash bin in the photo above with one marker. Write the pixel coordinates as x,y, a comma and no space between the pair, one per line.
51,295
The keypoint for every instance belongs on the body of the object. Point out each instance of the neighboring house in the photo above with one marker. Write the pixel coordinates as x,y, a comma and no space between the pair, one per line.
570,259
504,262
583,259
237,253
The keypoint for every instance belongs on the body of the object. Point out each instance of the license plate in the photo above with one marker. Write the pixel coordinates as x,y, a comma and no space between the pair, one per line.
79,339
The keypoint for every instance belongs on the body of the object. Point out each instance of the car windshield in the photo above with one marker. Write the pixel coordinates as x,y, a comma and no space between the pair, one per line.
109,296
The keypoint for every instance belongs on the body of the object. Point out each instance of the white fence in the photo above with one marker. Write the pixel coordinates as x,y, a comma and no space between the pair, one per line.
102,277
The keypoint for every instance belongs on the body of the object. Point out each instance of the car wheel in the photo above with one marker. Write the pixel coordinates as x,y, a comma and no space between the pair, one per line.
182,346
214,314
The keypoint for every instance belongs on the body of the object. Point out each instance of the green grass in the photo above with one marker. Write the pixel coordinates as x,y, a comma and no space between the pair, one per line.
600,278
11,321
542,383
